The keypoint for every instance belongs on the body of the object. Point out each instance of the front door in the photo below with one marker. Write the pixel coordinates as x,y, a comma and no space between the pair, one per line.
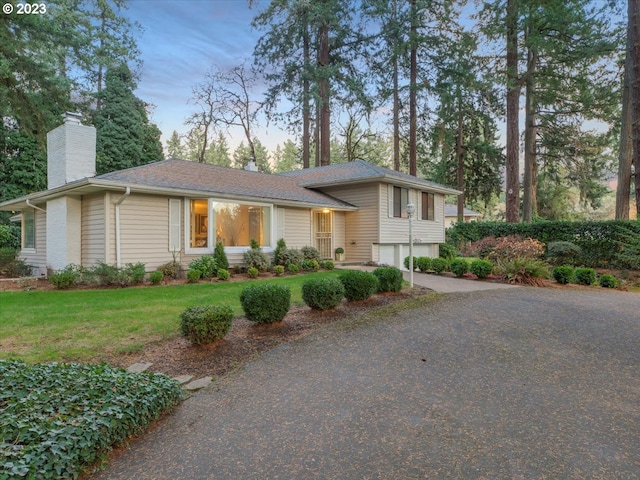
322,233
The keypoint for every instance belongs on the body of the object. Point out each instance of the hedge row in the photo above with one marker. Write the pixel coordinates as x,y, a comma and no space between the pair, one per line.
614,243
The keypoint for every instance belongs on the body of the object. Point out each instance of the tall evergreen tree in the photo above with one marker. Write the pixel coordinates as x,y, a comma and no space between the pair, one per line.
175,149
125,137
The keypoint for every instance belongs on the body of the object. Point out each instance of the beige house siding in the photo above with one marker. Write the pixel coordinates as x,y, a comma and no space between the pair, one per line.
361,226
339,231
297,227
144,229
93,229
37,258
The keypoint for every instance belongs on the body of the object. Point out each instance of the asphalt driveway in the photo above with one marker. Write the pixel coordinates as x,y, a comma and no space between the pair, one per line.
504,384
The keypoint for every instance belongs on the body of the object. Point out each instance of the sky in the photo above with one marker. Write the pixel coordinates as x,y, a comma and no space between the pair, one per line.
180,41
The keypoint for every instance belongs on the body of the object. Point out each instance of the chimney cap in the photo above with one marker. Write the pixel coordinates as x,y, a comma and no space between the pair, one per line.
72,117
251,165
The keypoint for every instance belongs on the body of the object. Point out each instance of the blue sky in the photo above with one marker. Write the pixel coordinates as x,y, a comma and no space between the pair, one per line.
180,42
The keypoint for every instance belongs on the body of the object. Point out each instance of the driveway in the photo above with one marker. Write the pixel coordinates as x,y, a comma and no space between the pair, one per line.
502,384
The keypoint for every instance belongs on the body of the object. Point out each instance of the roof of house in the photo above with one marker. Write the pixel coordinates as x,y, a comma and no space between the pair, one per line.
451,210
360,171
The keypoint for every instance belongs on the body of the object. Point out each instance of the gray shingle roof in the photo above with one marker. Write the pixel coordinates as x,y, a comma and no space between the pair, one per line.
173,174
356,172
452,211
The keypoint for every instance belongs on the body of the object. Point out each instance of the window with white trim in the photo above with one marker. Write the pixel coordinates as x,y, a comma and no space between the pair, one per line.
428,206
400,202
28,229
174,225
236,224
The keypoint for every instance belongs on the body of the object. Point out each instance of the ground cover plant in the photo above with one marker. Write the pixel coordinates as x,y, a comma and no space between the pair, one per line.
90,325
57,419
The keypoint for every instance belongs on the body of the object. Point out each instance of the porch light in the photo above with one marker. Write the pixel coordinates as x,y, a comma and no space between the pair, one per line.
325,210
411,209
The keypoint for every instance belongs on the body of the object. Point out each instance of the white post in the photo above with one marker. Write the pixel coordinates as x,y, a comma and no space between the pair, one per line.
411,208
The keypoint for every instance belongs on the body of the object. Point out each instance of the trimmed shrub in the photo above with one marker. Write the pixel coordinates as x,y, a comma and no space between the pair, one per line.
170,269
447,251
563,253
608,281
203,324
439,265
193,275
293,267
563,274
256,258
220,256
358,285
310,265
265,302
459,266
389,279
291,255
278,257
585,276
156,277
481,268
65,278
207,266
223,274
322,293
523,270
278,270
327,264
253,272
310,253
407,265
424,264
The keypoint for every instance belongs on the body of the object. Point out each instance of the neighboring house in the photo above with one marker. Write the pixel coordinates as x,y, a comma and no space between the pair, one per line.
177,208
451,215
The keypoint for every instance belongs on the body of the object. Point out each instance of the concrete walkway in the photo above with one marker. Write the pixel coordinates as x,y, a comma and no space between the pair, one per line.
478,385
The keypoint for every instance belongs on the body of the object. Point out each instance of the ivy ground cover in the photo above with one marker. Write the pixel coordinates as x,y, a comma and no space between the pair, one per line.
57,419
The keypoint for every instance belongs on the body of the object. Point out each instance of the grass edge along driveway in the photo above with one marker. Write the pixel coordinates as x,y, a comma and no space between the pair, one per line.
83,325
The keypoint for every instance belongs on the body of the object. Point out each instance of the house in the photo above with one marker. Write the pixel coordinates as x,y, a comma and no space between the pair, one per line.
451,215
180,209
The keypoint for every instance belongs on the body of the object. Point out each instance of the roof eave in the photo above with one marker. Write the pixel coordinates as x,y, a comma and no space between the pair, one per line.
389,179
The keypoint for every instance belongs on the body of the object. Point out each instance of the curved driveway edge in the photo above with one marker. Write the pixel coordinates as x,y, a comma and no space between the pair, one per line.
504,384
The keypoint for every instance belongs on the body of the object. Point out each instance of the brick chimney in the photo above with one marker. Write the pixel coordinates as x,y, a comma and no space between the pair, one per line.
71,151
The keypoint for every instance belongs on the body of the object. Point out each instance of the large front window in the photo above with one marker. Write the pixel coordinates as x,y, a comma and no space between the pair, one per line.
236,224
233,224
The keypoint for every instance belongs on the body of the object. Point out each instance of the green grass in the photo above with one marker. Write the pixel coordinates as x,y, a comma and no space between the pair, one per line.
89,325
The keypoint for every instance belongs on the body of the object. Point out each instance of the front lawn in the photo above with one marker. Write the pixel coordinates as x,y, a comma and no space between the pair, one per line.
88,325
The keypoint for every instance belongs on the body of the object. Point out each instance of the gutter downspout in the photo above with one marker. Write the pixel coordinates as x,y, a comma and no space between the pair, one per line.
118,203
28,202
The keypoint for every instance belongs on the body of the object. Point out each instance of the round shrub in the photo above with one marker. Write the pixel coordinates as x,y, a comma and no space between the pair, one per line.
223,274
358,285
310,253
253,272
585,276
389,279
328,264
608,281
207,266
290,255
193,275
563,252
256,258
278,270
206,323
293,267
439,265
322,293
310,265
156,277
406,262
265,302
459,266
424,264
447,251
563,274
481,268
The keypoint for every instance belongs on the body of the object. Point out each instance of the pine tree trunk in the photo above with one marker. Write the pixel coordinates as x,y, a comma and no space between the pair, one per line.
396,103
625,155
323,90
306,108
460,160
634,19
513,131
413,86
530,160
